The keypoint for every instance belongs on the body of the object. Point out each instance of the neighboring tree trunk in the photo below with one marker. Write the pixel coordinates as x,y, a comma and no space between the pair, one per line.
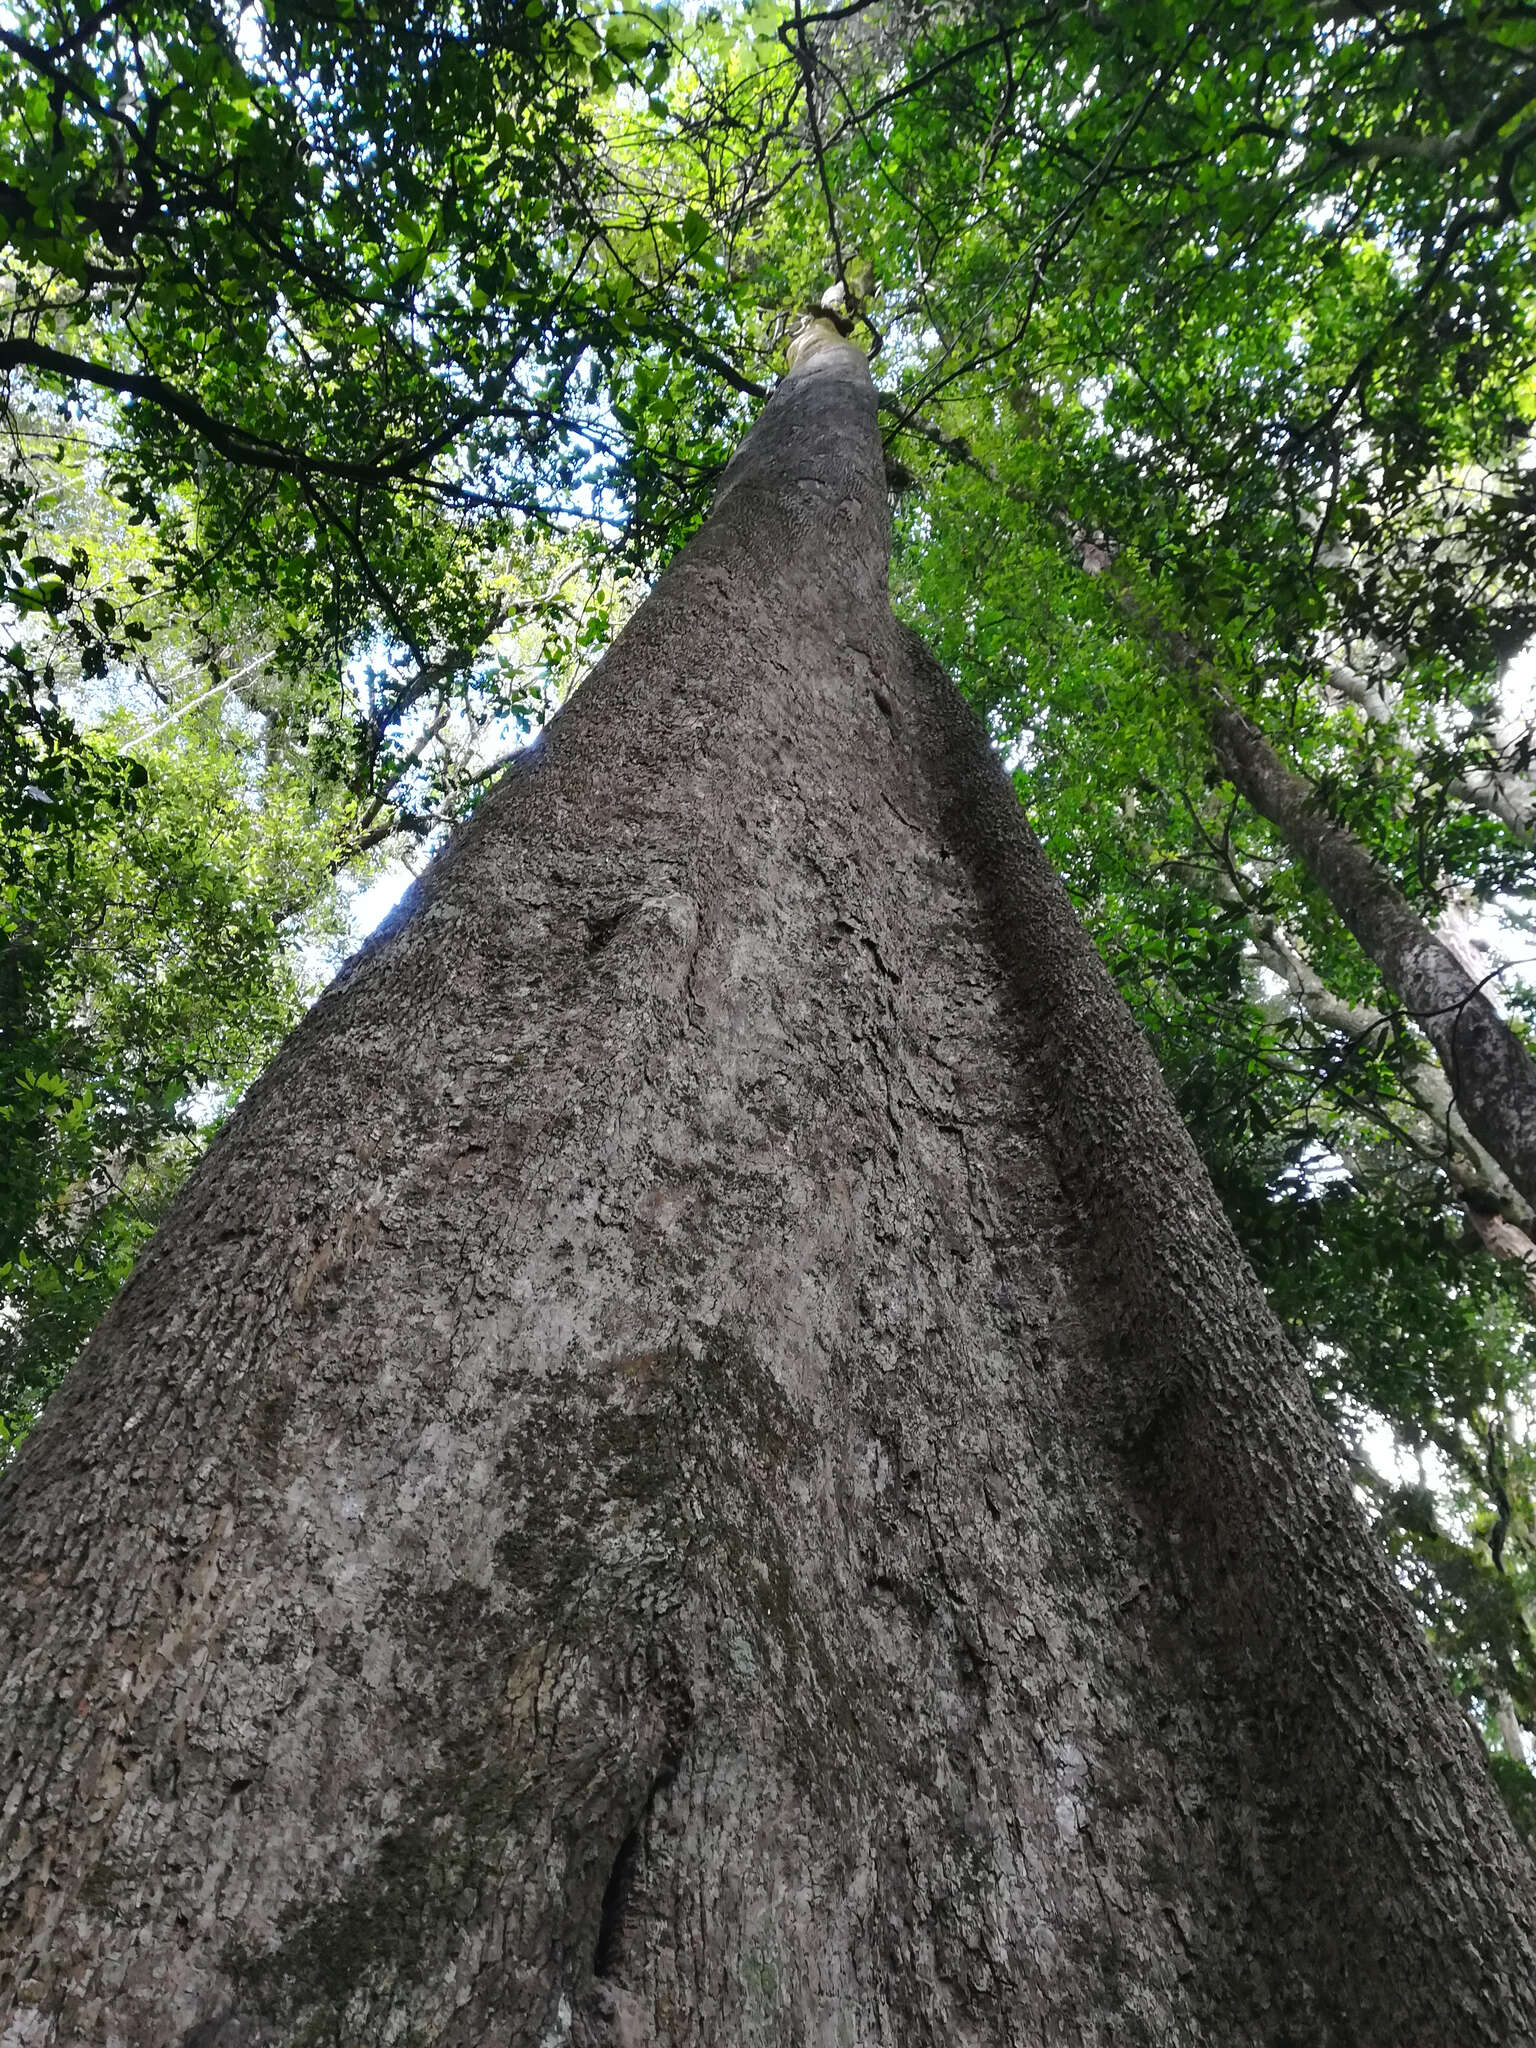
1493,1209
1491,1074
700,1465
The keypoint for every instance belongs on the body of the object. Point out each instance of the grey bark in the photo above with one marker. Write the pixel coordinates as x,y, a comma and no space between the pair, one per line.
1485,1188
1440,1125
1492,1076
1365,693
700,1465
1496,788
1509,798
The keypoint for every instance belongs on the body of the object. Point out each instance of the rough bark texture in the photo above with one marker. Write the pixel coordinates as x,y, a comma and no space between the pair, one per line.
1491,1074
700,1465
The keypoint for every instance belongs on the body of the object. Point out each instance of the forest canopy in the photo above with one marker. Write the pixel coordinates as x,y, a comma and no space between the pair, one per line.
363,363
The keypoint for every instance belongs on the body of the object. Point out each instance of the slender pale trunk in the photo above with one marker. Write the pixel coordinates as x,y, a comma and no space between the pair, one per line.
1506,1241
1498,789
700,1464
1492,1076
1493,1209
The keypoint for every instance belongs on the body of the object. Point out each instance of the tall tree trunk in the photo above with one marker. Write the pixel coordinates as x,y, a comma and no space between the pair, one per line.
699,1464
1491,1074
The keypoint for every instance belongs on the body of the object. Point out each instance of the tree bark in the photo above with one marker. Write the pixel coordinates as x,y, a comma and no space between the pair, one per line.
1491,1074
1493,1209
699,1463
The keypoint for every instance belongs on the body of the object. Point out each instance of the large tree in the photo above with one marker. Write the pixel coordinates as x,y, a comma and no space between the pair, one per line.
700,1463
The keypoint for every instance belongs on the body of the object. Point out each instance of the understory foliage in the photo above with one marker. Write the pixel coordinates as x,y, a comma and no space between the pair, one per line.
363,363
